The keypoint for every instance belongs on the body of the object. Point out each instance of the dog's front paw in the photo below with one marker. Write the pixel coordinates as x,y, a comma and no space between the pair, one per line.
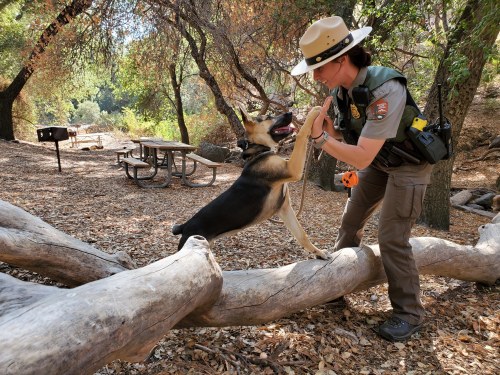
324,255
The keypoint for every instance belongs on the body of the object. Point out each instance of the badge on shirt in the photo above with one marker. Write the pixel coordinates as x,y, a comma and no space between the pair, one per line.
377,110
355,112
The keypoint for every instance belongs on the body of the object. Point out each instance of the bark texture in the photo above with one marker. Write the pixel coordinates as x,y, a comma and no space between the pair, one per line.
28,242
45,329
471,41
257,296
78,331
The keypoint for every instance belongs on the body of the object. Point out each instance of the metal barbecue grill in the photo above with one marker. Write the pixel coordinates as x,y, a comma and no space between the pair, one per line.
53,134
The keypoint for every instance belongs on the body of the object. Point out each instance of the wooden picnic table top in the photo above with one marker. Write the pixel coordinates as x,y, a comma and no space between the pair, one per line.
146,139
90,134
168,145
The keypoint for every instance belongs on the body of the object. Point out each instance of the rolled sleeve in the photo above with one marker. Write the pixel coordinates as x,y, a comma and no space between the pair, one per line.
384,112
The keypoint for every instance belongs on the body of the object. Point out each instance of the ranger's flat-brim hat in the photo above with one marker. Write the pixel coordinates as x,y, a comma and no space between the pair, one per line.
326,40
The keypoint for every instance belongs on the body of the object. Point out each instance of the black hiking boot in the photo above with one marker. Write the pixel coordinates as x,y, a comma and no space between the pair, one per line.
396,329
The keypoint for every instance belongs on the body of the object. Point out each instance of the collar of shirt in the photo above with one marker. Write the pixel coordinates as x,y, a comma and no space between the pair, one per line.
360,78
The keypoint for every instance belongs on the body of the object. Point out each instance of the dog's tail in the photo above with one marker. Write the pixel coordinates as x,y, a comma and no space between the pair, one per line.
177,229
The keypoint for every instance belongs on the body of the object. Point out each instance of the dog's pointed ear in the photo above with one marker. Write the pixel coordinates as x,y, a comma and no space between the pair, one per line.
244,116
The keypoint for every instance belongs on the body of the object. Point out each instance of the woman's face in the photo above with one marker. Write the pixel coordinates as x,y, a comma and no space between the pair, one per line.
330,74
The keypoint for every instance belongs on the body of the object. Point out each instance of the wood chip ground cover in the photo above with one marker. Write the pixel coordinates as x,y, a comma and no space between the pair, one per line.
93,201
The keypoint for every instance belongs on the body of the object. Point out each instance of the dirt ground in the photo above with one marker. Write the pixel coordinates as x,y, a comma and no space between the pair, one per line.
93,201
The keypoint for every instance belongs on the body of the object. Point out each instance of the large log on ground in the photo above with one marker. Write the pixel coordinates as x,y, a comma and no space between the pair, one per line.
77,331
262,295
28,242
15,294
50,330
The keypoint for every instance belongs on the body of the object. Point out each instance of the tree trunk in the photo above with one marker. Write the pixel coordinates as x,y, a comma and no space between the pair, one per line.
198,52
178,104
474,36
6,121
322,172
28,242
120,317
8,96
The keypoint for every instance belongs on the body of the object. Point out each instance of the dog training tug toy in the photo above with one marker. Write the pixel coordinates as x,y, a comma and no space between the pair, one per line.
350,179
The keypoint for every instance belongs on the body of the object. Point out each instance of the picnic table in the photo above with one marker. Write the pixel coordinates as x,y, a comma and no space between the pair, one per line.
144,139
77,138
159,154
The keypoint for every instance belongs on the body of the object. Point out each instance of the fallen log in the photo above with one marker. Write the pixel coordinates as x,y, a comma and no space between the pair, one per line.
28,242
476,211
77,331
45,329
461,198
484,155
261,295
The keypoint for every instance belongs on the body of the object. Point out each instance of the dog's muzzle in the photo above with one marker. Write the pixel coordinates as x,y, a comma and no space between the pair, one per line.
243,144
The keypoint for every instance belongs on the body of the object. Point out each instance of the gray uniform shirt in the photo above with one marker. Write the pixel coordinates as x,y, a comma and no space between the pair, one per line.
385,110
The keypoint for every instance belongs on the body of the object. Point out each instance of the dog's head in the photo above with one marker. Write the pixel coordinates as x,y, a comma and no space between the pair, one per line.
267,130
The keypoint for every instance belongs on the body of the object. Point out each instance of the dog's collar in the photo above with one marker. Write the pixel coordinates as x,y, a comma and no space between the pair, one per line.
251,149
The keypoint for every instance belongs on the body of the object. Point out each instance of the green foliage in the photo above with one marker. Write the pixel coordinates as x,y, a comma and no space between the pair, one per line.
167,129
137,79
209,126
87,112
492,68
53,112
458,62
199,125
12,40
112,121
136,95
195,95
458,69
135,125
55,83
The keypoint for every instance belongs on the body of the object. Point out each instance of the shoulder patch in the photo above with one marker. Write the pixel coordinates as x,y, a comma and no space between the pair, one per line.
377,110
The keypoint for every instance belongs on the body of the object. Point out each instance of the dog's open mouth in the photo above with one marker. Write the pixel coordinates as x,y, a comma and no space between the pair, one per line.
282,127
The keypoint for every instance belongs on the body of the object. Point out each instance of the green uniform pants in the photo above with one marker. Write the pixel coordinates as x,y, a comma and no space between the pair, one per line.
400,192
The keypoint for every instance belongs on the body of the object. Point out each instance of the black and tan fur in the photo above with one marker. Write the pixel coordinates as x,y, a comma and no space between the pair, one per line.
261,191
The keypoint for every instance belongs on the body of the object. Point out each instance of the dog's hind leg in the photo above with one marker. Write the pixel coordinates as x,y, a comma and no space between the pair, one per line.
287,214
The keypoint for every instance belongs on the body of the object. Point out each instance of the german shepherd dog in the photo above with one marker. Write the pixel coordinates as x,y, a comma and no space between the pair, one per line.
261,191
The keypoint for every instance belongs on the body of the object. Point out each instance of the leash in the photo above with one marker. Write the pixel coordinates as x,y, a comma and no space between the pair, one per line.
349,180
303,194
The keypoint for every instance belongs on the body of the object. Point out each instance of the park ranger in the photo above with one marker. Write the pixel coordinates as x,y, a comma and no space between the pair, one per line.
372,108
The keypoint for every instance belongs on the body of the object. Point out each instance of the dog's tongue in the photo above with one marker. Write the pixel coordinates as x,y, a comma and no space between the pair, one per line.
284,129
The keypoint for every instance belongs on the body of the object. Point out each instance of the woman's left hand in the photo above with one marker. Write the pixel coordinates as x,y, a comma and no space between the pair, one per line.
323,121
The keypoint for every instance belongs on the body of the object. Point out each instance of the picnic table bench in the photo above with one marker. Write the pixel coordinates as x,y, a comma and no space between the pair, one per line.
137,164
152,161
208,163
124,152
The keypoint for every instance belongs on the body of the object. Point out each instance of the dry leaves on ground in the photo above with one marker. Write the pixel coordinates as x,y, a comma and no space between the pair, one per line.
93,201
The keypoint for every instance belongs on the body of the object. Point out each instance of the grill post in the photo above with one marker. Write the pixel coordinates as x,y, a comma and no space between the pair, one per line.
58,157
54,134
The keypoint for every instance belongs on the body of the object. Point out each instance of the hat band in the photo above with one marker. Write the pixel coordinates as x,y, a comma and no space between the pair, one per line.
330,51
